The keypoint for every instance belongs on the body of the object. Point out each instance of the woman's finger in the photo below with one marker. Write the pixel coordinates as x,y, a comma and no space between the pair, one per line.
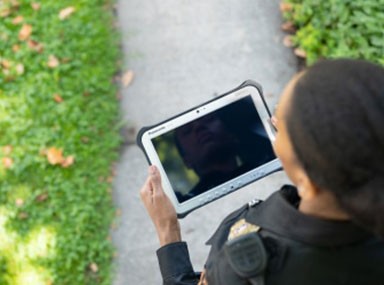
155,179
146,191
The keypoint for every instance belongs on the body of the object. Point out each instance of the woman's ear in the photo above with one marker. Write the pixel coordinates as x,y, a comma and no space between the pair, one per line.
307,190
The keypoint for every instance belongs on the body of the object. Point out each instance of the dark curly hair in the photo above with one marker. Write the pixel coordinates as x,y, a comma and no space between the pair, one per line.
336,125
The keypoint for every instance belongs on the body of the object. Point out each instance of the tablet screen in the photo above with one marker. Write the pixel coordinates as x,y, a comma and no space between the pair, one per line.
214,149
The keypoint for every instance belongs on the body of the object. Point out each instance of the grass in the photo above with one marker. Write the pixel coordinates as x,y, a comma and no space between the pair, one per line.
58,138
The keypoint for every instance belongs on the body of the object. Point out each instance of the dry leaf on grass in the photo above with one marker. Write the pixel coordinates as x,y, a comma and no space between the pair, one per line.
15,48
25,32
287,41
23,216
55,156
66,12
285,7
5,12
19,202
6,64
127,78
300,53
20,68
15,4
42,197
85,140
57,98
17,20
68,161
7,149
288,27
7,162
35,6
53,61
35,46
94,268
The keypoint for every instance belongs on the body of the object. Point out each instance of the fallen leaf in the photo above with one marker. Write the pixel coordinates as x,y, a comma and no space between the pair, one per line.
58,98
5,63
55,156
7,149
35,6
113,170
5,12
53,61
285,7
7,162
35,46
20,69
93,266
288,27
127,78
300,53
42,197
66,12
287,41
23,216
15,48
19,202
68,161
17,20
4,37
85,139
25,32
15,3
65,60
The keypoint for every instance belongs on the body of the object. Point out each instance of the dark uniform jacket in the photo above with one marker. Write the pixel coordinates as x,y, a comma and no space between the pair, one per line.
301,249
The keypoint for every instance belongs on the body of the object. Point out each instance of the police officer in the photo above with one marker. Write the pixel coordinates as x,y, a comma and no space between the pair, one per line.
328,228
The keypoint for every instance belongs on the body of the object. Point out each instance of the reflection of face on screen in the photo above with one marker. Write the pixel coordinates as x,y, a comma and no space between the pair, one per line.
206,145
213,149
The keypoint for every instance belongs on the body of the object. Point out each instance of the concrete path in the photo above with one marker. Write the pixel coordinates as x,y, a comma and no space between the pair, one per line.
183,53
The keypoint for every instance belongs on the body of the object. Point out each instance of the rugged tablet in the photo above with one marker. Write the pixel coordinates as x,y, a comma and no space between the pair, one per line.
213,149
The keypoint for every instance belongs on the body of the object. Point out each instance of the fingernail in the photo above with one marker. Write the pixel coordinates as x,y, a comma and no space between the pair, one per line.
152,169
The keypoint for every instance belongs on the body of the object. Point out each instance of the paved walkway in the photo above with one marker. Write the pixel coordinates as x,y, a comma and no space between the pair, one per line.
183,53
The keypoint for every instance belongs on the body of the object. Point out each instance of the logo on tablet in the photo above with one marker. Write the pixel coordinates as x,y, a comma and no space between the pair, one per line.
156,130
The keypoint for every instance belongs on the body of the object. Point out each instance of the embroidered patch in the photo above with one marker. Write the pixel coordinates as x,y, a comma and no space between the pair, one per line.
242,227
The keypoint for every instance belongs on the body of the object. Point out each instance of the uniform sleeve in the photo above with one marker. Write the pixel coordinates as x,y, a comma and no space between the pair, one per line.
175,265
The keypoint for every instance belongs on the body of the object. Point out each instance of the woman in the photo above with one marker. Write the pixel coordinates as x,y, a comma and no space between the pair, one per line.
328,228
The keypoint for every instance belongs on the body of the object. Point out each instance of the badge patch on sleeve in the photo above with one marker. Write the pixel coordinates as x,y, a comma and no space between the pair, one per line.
242,227
247,256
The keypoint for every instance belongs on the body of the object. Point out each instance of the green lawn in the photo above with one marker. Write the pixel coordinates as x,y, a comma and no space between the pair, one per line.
58,140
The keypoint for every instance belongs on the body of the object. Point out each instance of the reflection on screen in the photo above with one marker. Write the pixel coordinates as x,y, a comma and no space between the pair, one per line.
213,149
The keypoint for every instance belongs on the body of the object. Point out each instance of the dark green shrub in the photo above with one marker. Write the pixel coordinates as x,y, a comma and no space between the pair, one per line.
338,28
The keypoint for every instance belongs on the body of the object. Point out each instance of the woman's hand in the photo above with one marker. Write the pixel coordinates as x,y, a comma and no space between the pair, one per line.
160,208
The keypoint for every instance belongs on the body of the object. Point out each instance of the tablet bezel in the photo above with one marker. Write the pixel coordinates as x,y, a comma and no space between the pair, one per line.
145,136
